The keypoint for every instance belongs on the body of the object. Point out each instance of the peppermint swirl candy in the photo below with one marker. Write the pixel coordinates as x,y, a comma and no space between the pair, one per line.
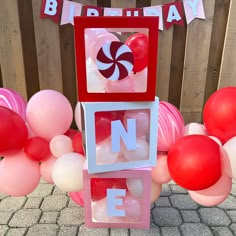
115,60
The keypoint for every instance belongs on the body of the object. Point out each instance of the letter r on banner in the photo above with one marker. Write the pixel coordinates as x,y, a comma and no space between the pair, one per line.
118,131
92,11
113,201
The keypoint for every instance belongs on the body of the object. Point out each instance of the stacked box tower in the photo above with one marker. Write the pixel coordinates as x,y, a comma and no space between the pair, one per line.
120,127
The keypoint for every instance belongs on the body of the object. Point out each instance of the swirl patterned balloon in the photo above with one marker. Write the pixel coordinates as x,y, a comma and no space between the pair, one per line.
170,126
115,60
13,100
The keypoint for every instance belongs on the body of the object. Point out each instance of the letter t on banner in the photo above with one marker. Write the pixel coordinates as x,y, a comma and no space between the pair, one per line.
173,14
51,9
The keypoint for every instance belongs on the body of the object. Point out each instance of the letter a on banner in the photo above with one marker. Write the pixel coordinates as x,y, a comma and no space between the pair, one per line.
173,14
51,9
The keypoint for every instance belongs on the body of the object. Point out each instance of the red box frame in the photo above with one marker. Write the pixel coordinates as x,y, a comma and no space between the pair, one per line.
150,23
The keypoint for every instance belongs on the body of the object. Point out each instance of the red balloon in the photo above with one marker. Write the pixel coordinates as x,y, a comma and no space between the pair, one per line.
71,133
138,43
120,183
37,149
194,162
13,131
99,187
219,114
77,143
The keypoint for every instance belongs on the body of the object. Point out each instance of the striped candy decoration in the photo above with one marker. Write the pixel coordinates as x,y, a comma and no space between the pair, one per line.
13,100
115,60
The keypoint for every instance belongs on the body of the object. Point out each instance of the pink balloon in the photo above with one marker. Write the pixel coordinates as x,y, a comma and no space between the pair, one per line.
98,42
170,126
125,85
49,113
19,174
13,100
214,195
46,169
195,128
140,81
133,208
77,197
142,118
160,172
99,211
155,191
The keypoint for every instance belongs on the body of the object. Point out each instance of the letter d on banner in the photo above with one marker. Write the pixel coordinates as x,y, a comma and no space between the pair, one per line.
51,9
118,131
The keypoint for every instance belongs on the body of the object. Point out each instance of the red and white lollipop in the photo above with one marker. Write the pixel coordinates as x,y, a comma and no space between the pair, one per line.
115,60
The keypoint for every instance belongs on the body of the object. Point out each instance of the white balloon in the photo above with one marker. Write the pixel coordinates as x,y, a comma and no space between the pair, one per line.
67,172
95,81
60,145
104,154
194,128
99,211
135,187
78,116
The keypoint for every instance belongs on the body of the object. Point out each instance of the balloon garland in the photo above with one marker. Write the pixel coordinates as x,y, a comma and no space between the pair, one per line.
192,155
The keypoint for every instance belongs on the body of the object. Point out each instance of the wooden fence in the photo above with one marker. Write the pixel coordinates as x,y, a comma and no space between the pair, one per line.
194,60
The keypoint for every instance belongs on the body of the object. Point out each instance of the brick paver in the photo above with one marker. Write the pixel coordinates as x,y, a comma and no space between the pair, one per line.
48,211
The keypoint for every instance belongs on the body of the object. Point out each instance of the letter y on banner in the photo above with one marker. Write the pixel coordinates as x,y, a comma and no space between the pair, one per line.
51,9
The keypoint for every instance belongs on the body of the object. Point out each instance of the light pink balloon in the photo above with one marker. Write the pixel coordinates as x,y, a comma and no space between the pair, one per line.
155,191
98,42
61,144
133,208
31,134
19,174
140,81
140,153
135,186
230,157
170,126
125,85
77,197
214,195
13,100
160,172
142,118
225,163
46,169
99,211
104,154
49,113
195,128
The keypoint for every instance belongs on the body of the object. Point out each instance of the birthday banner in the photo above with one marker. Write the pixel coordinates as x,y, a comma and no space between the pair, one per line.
169,14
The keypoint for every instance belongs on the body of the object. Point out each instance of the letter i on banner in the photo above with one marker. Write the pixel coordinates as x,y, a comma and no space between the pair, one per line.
193,9
69,11
51,9
173,14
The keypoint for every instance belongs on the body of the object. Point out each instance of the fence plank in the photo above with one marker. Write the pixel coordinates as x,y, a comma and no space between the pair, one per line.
29,48
216,48
228,68
177,64
1,84
123,3
12,66
164,57
195,64
48,51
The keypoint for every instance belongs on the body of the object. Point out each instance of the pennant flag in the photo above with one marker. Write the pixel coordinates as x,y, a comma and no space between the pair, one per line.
92,11
69,10
112,11
154,11
173,14
193,9
51,9
132,12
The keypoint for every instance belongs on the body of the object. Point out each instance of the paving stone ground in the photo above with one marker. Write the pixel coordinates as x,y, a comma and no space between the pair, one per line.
48,211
